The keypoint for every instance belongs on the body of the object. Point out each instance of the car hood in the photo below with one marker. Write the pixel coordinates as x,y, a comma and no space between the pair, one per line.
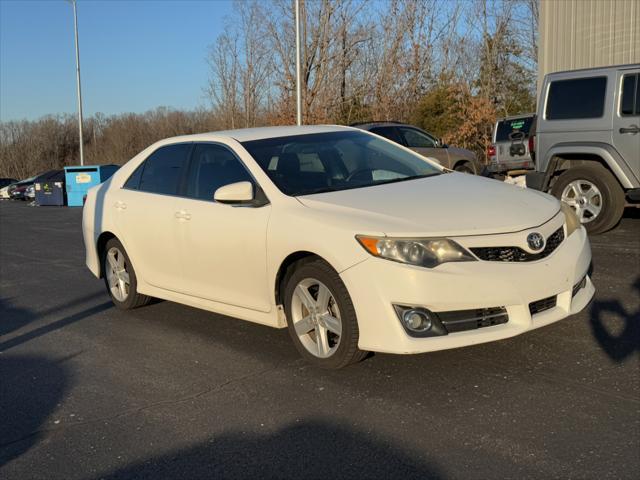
452,204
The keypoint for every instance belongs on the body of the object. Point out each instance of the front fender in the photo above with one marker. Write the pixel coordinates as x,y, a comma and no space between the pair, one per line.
337,245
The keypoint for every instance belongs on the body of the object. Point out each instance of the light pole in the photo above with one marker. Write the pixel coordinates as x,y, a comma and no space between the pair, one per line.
75,26
298,86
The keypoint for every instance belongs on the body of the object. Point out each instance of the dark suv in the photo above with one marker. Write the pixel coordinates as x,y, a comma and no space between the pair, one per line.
425,144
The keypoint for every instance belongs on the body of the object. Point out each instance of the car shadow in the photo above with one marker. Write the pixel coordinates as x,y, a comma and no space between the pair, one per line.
31,387
631,213
311,449
622,345
14,318
24,317
219,330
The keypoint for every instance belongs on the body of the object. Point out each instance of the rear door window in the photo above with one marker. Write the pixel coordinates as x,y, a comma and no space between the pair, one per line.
390,133
630,96
416,139
164,168
506,128
577,98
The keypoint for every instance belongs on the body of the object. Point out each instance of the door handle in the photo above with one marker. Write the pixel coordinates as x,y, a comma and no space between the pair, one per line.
182,215
120,205
632,129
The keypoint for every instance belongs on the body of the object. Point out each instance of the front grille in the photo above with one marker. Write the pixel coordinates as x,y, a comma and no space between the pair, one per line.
542,305
578,286
462,320
516,254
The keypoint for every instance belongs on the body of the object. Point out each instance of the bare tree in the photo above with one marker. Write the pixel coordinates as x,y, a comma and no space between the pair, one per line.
257,65
223,85
447,65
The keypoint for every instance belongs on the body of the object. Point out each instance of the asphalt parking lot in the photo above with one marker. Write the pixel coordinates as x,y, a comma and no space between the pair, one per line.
168,391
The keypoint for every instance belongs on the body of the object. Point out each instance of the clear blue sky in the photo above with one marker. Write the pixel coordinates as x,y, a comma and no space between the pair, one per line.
134,55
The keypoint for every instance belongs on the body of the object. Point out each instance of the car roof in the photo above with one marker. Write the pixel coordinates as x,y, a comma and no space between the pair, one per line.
260,133
381,123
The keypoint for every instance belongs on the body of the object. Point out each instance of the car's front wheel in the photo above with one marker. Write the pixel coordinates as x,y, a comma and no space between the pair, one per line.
320,315
120,277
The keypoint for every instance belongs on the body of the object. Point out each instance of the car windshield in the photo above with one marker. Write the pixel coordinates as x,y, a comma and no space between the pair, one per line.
328,162
506,128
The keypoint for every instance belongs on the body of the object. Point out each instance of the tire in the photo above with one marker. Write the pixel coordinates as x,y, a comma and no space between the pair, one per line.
339,350
594,193
128,298
465,167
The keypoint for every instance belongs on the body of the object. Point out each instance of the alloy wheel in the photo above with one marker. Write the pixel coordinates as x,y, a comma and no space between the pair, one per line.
585,198
316,318
117,274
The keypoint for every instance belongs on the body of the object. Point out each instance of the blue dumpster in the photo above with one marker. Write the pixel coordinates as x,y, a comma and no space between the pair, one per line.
49,188
81,179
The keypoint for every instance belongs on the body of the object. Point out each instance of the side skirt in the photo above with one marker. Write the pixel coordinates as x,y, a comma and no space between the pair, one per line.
271,319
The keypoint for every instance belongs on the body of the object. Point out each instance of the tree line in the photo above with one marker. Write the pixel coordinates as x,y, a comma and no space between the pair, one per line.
449,67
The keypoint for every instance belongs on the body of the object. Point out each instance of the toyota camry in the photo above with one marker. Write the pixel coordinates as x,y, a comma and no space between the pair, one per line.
350,241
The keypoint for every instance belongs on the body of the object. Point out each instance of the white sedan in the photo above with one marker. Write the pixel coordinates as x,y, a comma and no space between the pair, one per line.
351,241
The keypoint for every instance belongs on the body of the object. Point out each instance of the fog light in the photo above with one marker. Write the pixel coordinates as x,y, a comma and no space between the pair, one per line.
417,320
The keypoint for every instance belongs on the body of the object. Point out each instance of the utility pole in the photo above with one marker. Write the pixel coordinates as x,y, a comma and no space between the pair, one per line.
298,85
75,26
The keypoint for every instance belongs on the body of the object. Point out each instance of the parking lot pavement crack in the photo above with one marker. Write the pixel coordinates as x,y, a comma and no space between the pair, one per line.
213,389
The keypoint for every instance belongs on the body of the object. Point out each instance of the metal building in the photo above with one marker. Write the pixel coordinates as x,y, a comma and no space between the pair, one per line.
587,33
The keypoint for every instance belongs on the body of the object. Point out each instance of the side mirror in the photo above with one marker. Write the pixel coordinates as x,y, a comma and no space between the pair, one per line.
239,192
441,143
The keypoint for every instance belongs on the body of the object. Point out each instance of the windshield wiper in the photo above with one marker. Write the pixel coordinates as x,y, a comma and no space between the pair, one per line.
317,190
362,185
402,179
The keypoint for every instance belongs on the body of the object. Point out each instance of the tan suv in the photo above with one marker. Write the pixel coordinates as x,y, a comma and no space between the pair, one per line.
425,144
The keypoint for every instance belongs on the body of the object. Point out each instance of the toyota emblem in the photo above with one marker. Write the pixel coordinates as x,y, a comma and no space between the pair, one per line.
535,241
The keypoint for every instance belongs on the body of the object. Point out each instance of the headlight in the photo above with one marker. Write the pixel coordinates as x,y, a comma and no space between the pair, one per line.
423,252
570,217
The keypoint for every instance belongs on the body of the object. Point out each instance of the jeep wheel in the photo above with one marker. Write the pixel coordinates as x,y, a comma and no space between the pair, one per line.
595,195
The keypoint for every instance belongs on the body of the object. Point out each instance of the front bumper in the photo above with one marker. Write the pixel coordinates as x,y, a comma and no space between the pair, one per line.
375,285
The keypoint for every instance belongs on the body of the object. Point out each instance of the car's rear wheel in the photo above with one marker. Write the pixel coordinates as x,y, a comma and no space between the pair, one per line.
465,167
594,194
320,315
120,277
